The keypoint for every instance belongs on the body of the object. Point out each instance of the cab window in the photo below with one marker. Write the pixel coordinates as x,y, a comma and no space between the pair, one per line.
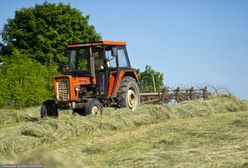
122,57
110,58
79,59
97,53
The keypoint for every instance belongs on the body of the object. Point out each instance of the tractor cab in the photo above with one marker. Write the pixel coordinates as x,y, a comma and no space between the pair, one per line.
98,60
98,74
103,55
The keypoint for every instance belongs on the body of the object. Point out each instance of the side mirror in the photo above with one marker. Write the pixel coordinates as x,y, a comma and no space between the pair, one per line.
114,52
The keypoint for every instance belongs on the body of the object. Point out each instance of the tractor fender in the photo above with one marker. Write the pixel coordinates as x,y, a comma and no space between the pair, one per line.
116,81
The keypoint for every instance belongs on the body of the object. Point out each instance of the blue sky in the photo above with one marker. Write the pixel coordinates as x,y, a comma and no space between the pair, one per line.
191,42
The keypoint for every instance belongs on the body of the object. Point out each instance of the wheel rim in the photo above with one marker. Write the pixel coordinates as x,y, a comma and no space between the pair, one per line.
167,98
132,99
95,110
180,98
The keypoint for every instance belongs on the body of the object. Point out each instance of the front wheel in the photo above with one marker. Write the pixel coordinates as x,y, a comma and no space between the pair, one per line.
49,109
93,107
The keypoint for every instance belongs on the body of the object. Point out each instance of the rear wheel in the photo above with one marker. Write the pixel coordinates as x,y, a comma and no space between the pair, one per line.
49,109
93,107
128,94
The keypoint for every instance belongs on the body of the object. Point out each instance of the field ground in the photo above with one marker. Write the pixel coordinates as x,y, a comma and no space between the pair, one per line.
192,134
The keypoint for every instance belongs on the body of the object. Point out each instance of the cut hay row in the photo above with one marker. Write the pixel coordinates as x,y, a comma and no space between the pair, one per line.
37,133
74,125
16,116
68,125
219,103
216,141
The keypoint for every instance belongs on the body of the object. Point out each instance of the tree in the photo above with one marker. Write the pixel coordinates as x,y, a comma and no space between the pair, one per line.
33,45
1,46
45,29
147,82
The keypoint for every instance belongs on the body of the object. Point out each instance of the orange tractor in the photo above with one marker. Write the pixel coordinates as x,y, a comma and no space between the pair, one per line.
98,74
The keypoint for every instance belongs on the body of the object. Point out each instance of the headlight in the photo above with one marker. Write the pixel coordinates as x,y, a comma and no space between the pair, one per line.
78,88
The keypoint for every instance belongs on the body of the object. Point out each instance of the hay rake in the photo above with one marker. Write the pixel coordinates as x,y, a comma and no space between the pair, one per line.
179,94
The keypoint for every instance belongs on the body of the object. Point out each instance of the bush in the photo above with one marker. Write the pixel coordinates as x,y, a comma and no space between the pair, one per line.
24,82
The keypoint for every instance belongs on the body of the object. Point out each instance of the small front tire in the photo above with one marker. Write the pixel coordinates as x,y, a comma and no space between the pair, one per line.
93,107
49,109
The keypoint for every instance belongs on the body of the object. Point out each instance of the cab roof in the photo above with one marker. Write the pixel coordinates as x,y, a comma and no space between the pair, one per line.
106,43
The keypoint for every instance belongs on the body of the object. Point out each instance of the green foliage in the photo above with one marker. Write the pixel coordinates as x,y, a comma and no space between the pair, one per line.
1,46
33,48
45,29
146,79
24,82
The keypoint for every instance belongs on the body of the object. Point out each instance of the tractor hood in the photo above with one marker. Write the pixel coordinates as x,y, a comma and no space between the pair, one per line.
65,86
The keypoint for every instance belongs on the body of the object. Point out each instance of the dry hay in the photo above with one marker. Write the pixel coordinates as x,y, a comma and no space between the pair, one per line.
36,132
68,125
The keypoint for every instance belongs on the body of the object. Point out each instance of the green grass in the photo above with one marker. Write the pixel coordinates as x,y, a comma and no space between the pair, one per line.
192,134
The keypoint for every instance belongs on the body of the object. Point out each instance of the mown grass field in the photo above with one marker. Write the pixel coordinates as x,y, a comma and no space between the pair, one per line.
192,134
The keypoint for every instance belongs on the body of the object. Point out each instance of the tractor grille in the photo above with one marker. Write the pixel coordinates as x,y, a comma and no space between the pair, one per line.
62,86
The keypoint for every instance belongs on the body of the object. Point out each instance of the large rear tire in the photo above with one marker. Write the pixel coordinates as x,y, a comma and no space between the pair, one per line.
93,107
49,109
128,94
